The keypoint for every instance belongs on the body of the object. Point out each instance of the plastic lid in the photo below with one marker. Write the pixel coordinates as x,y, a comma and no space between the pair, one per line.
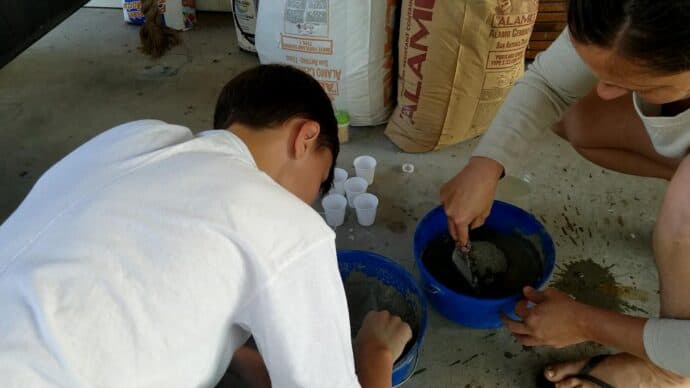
342,117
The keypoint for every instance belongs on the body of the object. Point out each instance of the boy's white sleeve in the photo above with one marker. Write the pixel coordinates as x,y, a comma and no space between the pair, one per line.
301,325
556,80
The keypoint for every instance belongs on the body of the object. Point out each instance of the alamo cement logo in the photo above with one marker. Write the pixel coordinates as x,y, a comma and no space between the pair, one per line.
420,13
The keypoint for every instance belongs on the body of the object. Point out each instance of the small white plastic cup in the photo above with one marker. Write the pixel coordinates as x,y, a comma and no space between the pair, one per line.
366,205
334,205
339,178
365,167
353,187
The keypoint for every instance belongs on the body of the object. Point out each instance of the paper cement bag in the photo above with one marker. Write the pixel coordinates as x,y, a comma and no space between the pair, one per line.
458,61
346,45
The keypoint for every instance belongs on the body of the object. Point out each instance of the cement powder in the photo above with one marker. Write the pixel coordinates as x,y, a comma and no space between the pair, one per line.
366,293
503,264
488,260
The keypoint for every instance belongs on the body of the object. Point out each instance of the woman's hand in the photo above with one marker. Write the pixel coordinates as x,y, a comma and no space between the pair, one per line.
467,198
555,319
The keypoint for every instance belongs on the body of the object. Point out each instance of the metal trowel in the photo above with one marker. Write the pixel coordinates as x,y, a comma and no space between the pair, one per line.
463,262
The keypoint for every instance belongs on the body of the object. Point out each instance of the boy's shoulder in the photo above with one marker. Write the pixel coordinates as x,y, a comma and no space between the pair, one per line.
281,221
275,224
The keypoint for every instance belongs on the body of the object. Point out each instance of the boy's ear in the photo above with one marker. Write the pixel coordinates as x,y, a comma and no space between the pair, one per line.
306,136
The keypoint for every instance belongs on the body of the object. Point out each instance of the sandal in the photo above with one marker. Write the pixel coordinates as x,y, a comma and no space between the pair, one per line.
583,374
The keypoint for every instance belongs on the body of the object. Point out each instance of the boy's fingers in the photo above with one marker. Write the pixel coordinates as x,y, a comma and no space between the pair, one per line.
406,331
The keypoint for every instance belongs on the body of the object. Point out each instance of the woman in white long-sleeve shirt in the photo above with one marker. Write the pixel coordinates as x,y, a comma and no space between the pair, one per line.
616,85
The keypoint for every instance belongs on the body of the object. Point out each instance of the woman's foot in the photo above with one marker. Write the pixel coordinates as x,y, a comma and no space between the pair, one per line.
620,370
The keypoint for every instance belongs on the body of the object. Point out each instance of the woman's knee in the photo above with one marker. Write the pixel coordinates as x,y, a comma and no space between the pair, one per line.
559,129
592,123
674,216
672,246
572,129
669,236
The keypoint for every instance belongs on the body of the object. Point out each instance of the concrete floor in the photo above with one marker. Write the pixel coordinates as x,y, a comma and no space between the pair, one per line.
87,76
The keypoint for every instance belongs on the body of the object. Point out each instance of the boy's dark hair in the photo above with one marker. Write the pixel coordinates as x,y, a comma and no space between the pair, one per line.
266,96
653,32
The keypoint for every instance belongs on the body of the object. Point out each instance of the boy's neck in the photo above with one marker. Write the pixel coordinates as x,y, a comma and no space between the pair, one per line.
269,147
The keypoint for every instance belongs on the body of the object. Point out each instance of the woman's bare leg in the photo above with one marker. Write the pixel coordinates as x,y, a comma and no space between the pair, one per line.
611,134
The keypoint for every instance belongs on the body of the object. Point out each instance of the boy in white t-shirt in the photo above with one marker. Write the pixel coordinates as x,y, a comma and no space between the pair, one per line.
149,256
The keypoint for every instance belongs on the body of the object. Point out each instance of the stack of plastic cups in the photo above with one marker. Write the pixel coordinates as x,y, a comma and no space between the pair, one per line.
352,192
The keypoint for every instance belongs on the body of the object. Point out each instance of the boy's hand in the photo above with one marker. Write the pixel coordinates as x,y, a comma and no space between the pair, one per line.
382,331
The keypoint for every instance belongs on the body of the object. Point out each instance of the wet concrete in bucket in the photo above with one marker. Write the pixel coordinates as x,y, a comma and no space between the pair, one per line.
366,293
594,284
504,264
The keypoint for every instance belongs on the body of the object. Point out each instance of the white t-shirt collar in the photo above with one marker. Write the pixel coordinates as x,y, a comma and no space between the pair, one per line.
231,142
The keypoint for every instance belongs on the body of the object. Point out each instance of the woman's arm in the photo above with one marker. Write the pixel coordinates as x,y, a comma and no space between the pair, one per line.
557,320
555,81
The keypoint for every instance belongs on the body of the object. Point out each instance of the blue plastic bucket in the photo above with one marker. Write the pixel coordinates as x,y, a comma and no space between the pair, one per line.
390,274
468,310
